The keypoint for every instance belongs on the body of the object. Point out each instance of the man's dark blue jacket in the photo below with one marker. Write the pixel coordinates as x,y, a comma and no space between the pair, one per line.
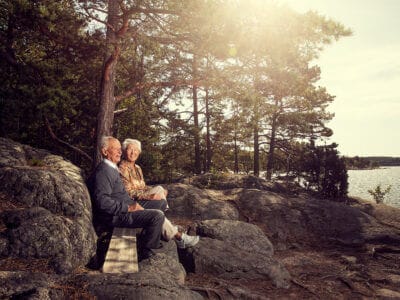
108,194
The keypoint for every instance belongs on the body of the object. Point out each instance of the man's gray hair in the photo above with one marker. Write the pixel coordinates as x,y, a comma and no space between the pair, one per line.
136,143
104,141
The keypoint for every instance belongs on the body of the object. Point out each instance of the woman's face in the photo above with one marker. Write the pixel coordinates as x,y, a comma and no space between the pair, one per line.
132,153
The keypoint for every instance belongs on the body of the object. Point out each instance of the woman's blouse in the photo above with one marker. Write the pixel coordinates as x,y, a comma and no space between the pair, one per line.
132,177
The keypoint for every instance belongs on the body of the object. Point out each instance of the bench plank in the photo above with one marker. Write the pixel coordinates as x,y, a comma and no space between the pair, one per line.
122,254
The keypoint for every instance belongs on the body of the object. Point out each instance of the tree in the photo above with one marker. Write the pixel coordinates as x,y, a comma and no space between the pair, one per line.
48,75
323,170
124,21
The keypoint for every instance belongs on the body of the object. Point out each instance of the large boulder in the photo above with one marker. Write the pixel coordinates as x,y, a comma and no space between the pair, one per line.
45,208
160,277
306,221
234,249
187,201
228,181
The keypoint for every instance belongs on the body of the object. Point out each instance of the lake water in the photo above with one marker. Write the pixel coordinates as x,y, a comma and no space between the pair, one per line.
360,181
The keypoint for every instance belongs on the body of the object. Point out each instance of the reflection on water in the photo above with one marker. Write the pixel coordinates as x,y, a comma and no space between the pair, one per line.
360,181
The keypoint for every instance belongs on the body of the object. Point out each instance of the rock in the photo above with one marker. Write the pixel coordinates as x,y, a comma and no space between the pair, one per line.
27,285
394,279
233,249
197,204
47,210
159,277
349,259
238,234
225,181
388,294
295,221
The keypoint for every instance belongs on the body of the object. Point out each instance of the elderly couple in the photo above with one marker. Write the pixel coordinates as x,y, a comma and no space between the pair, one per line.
121,199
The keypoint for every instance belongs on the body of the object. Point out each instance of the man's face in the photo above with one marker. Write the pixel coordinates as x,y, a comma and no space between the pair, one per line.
113,151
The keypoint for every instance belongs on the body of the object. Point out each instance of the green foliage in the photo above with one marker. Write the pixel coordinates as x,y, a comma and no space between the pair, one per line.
253,58
378,194
323,170
49,71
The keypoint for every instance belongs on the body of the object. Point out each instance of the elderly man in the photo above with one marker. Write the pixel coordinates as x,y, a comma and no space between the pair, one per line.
112,204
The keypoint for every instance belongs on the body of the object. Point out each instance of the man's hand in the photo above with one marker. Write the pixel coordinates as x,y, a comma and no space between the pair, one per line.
135,207
155,197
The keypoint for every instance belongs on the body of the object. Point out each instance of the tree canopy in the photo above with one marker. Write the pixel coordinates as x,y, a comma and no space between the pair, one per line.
204,84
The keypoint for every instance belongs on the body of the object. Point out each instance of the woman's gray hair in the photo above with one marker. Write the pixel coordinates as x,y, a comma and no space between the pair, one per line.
136,143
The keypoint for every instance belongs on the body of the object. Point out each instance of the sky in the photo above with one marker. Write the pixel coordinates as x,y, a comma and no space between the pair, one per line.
363,73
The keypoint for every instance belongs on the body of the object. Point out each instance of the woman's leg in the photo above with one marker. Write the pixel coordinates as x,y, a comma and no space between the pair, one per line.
169,231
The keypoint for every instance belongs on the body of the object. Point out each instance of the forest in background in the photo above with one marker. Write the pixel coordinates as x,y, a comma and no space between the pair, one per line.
206,85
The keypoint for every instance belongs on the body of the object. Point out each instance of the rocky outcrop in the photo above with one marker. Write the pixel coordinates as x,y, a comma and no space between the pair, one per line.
234,249
160,277
306,221
46,209
259,239
195,203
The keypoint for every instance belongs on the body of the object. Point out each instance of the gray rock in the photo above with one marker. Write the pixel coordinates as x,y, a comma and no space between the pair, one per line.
198,204
388,294
229,254
27,285
238,234
48,214
160,277
226,181
309,221
36,232
219,258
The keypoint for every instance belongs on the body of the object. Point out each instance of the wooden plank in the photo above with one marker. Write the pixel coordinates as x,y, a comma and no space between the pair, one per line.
122,254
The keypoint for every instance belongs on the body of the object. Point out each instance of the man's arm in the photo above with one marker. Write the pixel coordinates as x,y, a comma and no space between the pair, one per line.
103,186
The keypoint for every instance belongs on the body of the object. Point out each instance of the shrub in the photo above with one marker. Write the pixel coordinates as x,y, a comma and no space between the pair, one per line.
378,194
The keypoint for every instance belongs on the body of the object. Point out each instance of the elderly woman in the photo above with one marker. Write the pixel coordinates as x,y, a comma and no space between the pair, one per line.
133,179
148,198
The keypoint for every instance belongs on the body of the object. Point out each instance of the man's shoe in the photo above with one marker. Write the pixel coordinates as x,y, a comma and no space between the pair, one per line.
187,241
159,246
145,254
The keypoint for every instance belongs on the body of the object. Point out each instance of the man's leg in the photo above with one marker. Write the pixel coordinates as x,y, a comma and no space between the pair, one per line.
154,204
151,220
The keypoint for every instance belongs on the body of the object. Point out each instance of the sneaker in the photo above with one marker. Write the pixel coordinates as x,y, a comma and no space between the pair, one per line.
187,241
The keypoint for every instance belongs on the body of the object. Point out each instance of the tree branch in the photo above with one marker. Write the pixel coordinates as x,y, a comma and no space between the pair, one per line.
54,137
140,86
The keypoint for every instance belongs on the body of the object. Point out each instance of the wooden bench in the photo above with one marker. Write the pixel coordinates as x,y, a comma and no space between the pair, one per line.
122,253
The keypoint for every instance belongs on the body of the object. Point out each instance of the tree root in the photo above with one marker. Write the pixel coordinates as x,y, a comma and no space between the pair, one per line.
304,287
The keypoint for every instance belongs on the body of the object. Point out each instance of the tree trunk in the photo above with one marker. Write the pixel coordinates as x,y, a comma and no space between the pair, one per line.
256,167
208,138
270,162
236,168
197,155
105,115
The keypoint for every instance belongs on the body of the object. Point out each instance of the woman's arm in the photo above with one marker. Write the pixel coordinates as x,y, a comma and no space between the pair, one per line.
131,182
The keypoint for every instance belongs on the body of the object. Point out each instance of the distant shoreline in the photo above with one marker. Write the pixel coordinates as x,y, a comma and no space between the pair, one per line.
372,168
